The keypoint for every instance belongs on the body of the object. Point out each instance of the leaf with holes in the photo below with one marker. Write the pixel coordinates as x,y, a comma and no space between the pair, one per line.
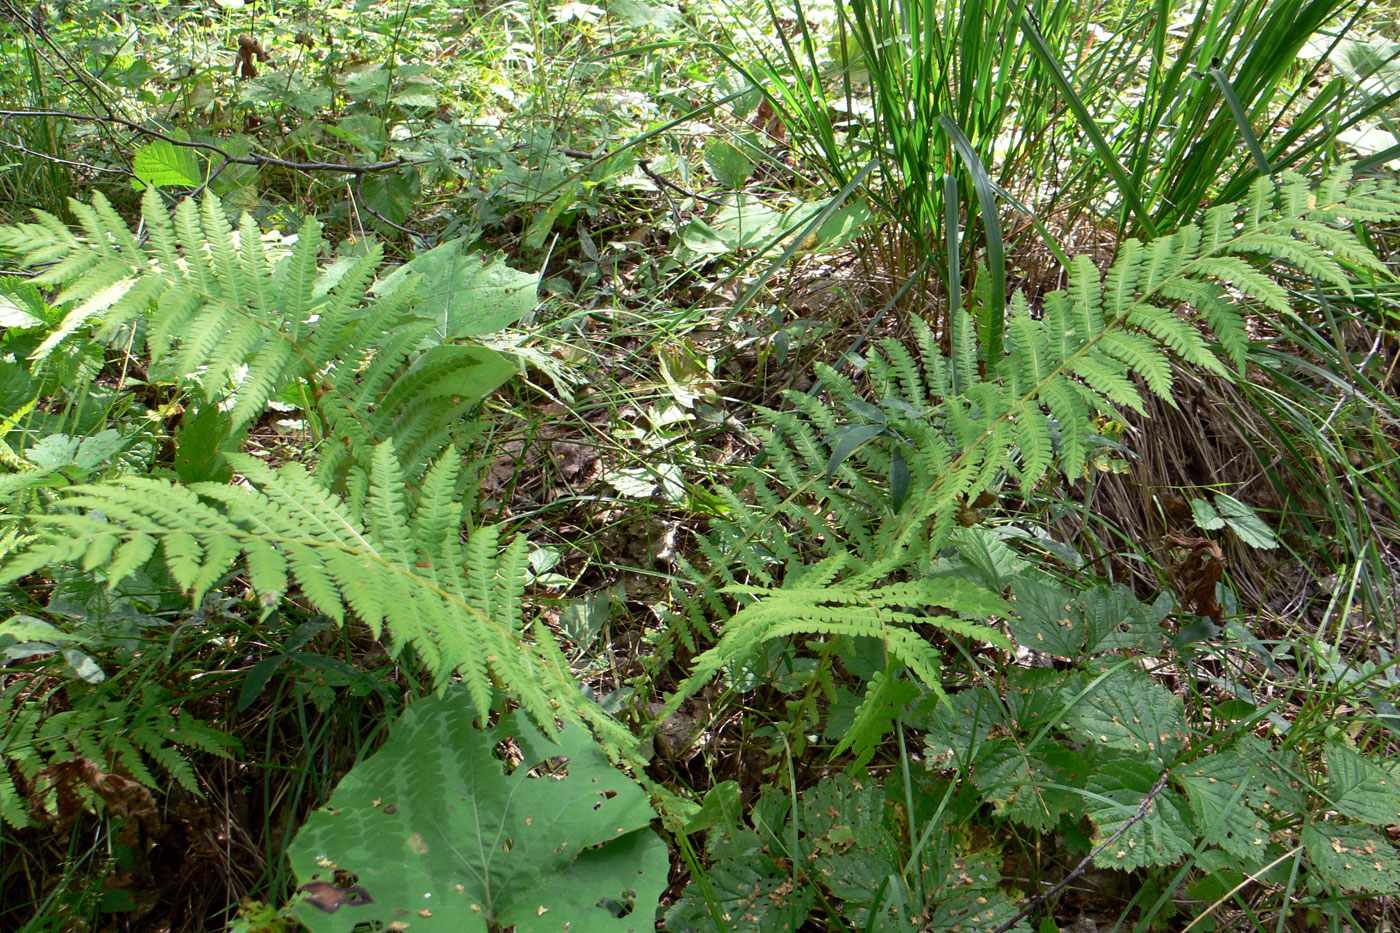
1047,619
1118,788
1217,786
429,830
1127,710
1357,858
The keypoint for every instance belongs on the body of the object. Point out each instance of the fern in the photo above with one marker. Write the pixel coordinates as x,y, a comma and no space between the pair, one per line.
371,529
126,734
397,565
957,430
222,313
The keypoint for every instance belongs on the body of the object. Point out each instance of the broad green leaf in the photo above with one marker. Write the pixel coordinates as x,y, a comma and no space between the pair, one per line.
1361,788
13,315
1128,711
391,194
466,294
1118,621
645,13
729,164
162,164
1246,522
1161,837
436,834
1205,515
1217,786
1031,785
743,223
748,886
1355,858
959,726
1047,619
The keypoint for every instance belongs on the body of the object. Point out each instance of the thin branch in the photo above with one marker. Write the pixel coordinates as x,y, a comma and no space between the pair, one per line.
645,166
87,166
251,159
1143,809
422,238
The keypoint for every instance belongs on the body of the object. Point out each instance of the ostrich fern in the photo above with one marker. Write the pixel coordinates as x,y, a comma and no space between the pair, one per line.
397,565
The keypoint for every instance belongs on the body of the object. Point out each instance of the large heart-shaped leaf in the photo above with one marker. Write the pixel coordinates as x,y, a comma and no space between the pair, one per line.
431,832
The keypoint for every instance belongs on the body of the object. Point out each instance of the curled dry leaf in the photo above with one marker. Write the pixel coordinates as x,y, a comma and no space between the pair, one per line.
330,897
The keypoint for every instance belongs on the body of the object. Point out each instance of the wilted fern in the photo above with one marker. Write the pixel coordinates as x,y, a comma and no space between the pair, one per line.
856,494
119,733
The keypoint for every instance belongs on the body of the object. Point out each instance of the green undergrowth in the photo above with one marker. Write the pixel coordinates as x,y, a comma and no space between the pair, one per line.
506,538
847,561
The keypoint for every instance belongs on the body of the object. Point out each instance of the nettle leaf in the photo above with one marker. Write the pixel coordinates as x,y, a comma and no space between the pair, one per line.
1275,782
1362,789
1355,858
1217,786
849,845
433,831
1097,621
162,164
975,909
1161,837
959,726
851,848
464,293
1118,621
1130,712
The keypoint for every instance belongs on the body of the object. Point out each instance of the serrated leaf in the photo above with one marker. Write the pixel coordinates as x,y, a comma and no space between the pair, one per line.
1354,858
1205,515
1217,786
749,887
1031,786
434,830
1161,837
1361,788
1130,712
729,164
1118,621
1246,523
162,164
466,294
1047,619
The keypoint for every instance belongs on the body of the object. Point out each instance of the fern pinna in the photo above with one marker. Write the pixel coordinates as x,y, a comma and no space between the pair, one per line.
859,495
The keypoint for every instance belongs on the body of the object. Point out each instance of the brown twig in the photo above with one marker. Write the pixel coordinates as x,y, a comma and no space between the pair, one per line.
645,166
421,237
1143,809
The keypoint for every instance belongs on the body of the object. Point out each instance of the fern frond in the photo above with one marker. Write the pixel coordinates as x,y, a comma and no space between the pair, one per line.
397,566
239,322
1096,348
